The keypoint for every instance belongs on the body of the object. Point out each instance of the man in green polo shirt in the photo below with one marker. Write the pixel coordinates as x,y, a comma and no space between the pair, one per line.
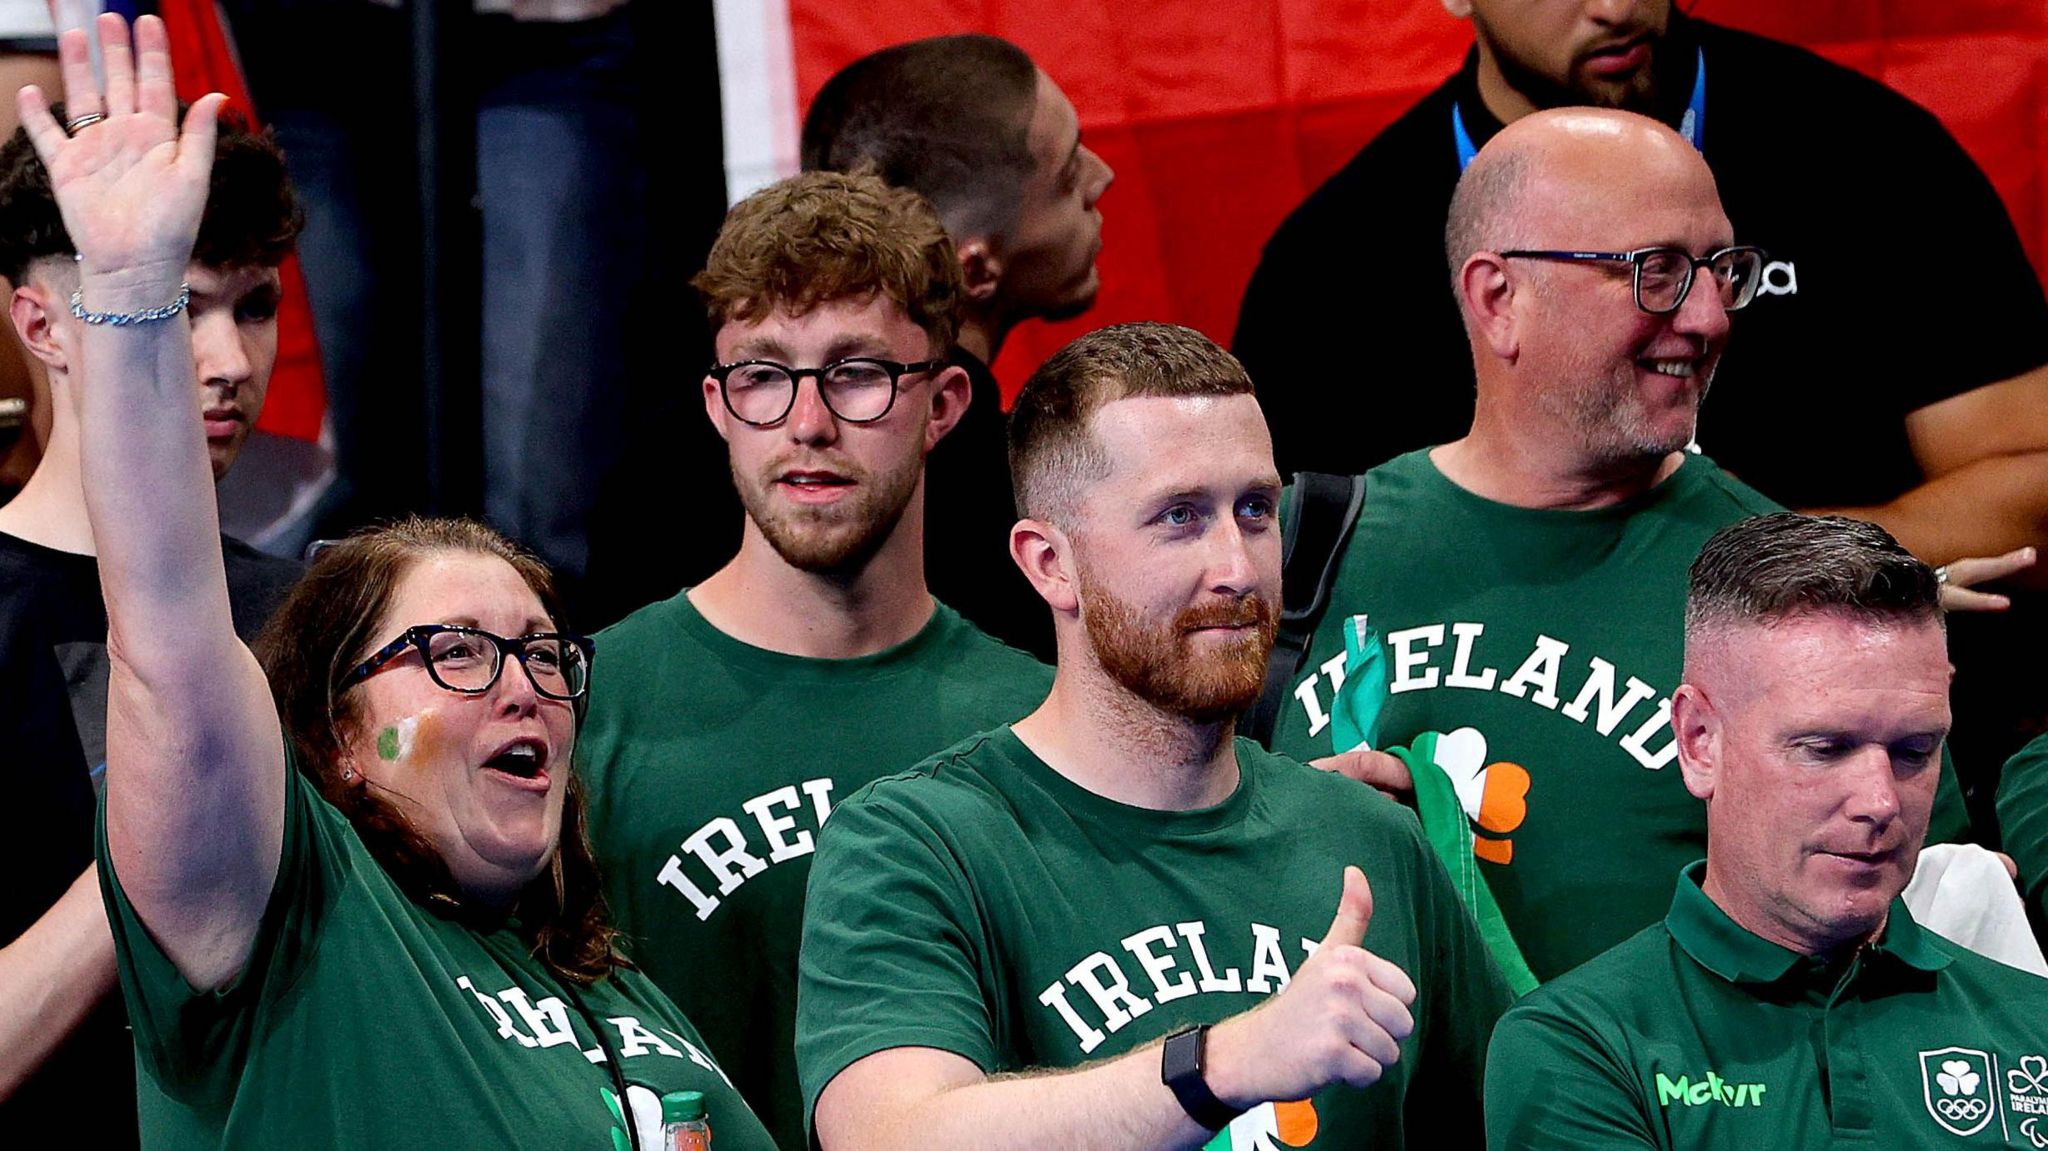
1522,586
1112,923
735,715
1788,999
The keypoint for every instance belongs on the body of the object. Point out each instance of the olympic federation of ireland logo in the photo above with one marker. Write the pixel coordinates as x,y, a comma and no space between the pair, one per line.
1958,1087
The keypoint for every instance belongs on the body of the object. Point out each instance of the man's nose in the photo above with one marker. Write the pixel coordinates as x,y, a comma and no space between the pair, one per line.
217,349
811,420
1873,786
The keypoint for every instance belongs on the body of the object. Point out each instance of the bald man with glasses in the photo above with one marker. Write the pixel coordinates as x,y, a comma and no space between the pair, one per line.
1506,612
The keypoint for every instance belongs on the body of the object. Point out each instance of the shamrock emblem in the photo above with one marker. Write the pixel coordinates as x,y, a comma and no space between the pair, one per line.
1956,1078
2030,1077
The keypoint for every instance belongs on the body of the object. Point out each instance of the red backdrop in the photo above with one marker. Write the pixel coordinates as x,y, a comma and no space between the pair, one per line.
1220,115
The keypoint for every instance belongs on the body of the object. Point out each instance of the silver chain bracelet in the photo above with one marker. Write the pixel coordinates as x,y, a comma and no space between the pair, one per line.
123,319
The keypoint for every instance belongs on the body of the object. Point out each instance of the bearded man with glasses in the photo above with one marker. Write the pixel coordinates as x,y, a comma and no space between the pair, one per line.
816,660
1506,612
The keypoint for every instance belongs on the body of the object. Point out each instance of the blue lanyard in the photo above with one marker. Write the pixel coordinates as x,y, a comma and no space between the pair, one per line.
1692,126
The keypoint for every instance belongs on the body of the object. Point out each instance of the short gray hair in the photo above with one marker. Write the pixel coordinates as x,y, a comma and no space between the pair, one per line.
1774,567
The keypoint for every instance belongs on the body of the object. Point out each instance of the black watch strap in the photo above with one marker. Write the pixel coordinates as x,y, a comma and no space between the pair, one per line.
1180,1068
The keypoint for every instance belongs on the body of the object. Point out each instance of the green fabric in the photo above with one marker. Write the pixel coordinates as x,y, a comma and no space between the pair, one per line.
1543,647
2023,825
1354,719
1697,1034
365,1021
985,905
712,764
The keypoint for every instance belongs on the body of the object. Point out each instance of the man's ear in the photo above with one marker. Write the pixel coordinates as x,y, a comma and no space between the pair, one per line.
29,307
714,407
1486,293
982,267
952,394
1459,9
1697,728
1042,552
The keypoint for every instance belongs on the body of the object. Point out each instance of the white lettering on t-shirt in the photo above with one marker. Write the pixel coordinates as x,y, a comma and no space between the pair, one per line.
1635,743
1461,660
732,866
1158,967
497,1014
1104,981
1055,997
774,829
1192,931
637,1040
1600,686
1269,967
547,1019
1407,659
1108,989
723,856
1539,671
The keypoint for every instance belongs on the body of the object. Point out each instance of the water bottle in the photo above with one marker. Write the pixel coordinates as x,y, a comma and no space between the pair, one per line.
683,1126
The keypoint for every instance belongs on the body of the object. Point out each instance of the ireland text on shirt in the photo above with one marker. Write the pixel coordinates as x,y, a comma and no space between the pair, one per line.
1107,987
721,846
548,1023
1537,679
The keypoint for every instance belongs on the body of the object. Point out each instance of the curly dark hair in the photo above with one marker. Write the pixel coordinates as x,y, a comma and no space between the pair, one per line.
325,627
252,216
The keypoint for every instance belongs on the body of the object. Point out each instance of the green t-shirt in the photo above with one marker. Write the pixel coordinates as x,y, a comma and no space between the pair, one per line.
1698,1034
364,1020
712,765
2023,824
988,906
1543,646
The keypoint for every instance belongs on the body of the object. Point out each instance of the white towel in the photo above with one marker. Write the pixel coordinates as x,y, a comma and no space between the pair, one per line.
1962,893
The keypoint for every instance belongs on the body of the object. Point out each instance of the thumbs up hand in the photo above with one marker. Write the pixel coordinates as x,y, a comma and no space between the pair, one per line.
1340,1020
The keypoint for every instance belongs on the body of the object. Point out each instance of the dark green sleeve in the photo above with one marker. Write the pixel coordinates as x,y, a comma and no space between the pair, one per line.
192,1042
1552,1084
893,952
2023,825
1467,996
1949,822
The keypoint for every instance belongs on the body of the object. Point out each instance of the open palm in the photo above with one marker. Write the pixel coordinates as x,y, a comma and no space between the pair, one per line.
132,185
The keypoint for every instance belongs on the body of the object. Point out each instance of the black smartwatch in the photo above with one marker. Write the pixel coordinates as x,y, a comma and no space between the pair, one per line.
1180,1068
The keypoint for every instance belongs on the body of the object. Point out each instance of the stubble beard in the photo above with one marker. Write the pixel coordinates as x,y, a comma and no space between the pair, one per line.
1153,661
839,537
1638,93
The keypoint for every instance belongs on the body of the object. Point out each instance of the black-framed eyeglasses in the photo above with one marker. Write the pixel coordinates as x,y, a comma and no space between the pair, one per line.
468,659
859,389
1663,276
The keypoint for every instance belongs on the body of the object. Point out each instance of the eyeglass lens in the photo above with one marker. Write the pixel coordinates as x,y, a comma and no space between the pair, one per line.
855,390
1665,276
470,661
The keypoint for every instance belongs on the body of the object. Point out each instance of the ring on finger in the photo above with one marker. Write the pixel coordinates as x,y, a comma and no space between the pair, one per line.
1941,576
72,126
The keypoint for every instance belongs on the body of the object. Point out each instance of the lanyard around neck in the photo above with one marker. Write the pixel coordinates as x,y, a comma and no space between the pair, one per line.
1692,126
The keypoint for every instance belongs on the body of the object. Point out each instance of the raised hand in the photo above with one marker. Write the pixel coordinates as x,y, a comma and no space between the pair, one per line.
1341,1019
132,184
1959,578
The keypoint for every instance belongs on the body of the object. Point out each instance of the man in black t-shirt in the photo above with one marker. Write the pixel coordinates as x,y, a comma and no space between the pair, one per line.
1892,368
65,1052
971,124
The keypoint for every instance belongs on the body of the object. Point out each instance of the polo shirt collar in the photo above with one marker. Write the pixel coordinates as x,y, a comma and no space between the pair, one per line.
1729,950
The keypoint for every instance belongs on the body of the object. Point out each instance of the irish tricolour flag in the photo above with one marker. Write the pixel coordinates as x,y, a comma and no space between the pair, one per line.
1268,1127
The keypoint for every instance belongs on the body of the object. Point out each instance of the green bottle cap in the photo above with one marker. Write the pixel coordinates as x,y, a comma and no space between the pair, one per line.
682,1106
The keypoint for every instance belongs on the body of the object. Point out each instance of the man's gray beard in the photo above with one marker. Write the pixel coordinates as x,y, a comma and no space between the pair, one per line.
1613,429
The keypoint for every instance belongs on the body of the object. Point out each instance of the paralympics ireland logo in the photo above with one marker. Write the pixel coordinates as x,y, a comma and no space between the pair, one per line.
2027,1087
1957,1084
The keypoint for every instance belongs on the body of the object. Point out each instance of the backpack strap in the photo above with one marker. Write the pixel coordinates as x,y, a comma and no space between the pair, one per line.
1318,523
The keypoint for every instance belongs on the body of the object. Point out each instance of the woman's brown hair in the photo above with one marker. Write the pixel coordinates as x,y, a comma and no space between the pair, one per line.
325,627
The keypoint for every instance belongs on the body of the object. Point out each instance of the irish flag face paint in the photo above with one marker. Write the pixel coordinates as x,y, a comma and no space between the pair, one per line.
396,742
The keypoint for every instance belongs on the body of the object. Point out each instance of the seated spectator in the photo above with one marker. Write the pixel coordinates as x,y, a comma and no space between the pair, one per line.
1524,583
1789,999
971,124
1109,924
67,1051
383,843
